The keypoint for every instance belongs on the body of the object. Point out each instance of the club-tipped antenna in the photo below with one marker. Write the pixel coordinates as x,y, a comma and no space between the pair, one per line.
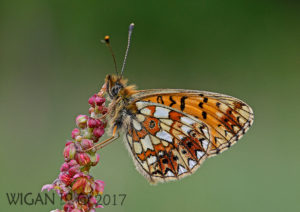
131,26
107,42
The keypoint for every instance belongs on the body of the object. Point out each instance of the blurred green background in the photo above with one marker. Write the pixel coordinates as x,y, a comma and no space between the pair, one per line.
51,62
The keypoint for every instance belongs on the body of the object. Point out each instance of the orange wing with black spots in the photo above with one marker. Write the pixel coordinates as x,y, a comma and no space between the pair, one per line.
227,118
166,143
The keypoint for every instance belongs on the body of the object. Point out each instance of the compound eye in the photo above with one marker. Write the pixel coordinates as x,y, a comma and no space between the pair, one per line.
115,90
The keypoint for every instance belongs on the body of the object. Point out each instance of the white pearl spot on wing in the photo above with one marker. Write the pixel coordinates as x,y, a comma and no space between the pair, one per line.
155,140
146,142
152,159
146,111
187,120
140,105
199,154
136,125
164,135
192,163
181,170
168,122
161,112
204,144
137,147
140,118
186,129
170,174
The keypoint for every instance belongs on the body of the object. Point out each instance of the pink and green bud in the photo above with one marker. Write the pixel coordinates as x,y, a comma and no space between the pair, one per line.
81,121
70,151
87,133
79,185
75,132
99,186
78,138
63,177
82,158
94,159
87,188
74,170
64,167
86,143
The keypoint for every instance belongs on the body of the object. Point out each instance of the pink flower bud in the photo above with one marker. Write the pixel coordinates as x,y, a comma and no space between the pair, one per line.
92,123
74,170
78,138
75,133
86,143
99,186
48,187
92,100
72,163
94,159
98,132
64,167
99,100
93,200
99,123
70,151
68,207
81,121
79,185
82,158
63,177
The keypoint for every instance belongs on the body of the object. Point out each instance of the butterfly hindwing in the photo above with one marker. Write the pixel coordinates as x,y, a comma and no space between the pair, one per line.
166,143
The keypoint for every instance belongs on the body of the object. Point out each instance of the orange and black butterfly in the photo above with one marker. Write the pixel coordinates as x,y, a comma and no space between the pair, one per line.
170,132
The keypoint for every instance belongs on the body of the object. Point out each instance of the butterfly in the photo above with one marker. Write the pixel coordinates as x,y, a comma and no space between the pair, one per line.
171,132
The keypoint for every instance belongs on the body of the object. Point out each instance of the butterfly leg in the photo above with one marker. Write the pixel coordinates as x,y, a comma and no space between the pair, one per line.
105,142
109,108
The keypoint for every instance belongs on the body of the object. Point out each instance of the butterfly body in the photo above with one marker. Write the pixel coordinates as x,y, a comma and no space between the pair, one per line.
170,132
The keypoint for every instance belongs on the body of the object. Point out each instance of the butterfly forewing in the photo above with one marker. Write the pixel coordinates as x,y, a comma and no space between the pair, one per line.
227,118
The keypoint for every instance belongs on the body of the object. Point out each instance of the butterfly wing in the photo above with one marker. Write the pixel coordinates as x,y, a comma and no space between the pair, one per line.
227,118
174,131
166,144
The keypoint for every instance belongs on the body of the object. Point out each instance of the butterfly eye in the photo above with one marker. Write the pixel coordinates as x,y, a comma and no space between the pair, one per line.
115,89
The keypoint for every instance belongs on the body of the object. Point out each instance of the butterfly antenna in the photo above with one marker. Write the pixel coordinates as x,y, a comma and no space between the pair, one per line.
131,26
107,42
